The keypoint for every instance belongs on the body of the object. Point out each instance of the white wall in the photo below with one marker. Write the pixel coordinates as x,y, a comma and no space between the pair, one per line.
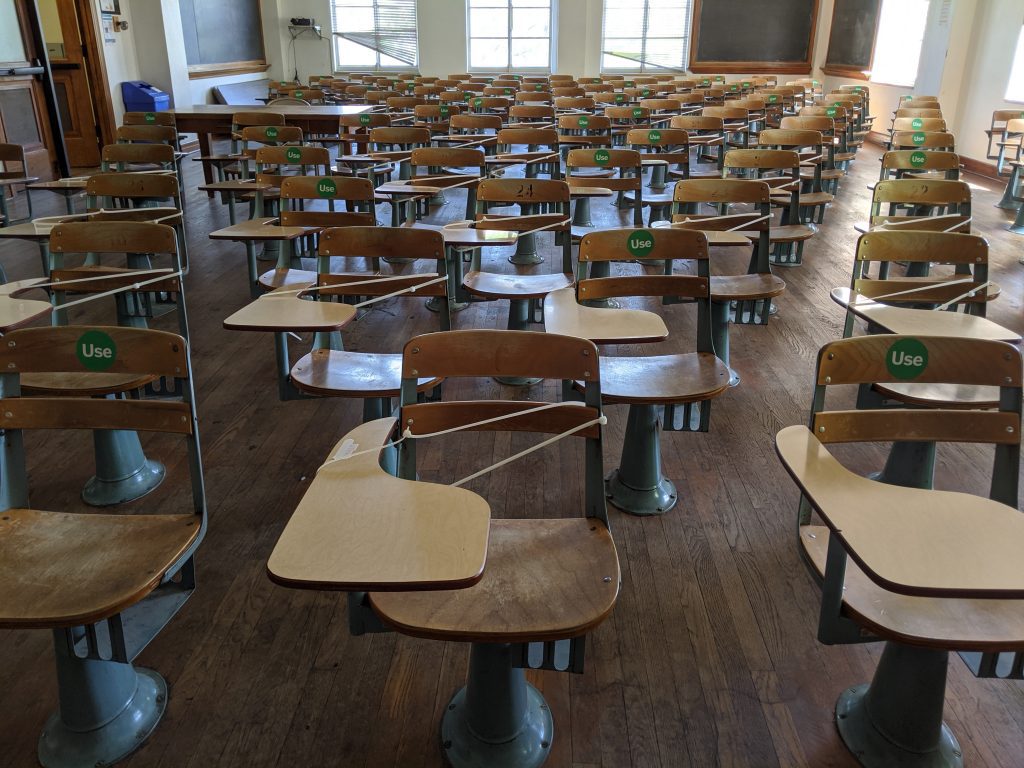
121,59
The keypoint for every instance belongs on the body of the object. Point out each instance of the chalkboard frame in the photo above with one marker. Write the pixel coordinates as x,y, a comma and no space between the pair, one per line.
750,67
851,71
219,69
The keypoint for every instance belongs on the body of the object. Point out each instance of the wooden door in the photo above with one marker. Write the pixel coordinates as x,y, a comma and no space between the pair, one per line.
71,83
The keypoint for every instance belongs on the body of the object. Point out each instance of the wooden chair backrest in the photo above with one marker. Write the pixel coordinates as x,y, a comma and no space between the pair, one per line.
764,159
402,103
927,124
825,125
456,157
240,120
531,112
156,154
157,134
917,112
149,118
584,122
524,191
133,186
293,155
272,134
698,123
341,189
584,103
923,140
381,242
137,351
915,160
568,92
937,192
474,122
622,160
365,121
627,113
546,137
400,135
790,137
878,359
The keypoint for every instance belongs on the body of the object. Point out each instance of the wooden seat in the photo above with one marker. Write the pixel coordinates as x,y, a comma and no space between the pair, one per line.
95,579
941,395
681,378
544,580
746,287
337,373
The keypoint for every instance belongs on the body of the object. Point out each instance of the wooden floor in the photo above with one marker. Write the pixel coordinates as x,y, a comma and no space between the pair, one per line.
710,656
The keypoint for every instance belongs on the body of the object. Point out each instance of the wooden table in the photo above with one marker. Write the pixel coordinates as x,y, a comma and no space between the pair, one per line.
209,120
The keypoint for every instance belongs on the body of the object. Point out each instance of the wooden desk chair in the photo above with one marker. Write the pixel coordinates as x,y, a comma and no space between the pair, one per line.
918,124
329,370
354,135
435,117
446,167
835,162
780,169
298,196
593,89
429,92
845,152
584,130
149,118
121,578
543,204
541,155
588,167
736,122
527,115
966,254
534,97
926,571
568,92
708,133
1002,147
123,473
153,133
498,718
625,119
395,145
670,145
114,191
742,299
226,165
811,146
400,106
779,103
474,129
920,204
683,384
491,105
574,103
504,91
1012,138
922,112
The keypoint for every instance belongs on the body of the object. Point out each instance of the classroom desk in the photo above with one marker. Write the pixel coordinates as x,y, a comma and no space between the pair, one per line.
209,120
16,312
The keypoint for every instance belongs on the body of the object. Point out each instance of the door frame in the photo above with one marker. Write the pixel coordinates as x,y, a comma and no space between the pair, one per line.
96,68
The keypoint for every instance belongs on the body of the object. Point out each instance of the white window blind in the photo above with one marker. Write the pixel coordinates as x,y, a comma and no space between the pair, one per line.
1015,88
646,35
509,34
377,34
898,42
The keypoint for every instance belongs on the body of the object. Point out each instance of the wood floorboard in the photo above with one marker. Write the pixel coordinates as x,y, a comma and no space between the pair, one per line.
710,657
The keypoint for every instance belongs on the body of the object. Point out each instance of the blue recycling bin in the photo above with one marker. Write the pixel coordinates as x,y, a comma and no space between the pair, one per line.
140,96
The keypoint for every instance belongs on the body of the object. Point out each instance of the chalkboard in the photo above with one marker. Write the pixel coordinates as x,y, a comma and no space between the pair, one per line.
221,33
851,40
740,36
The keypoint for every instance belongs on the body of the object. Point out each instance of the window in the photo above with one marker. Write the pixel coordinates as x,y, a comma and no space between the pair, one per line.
1015,90
374,34
645,35
898,41
509,34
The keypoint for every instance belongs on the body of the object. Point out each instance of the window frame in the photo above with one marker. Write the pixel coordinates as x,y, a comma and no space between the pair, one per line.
339,68
552,41
874,50
1018,61
642,66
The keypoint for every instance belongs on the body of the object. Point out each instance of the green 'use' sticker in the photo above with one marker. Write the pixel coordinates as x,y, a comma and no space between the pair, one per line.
831,111
538,87
150,117
654,135
582,121
918,138
96,350
602,156
916,123
508,91
444,109
917,159
907,359
772,98
619,98
640,243
638,112
645,92
271,132
364,119
293,154
467,95
326,187
478,102
298,94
